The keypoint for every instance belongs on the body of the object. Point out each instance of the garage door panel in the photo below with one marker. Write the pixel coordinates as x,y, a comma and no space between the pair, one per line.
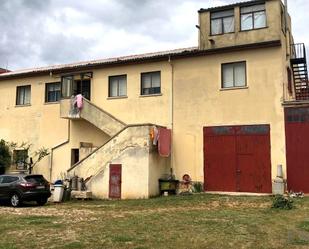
220,163
239,161
297,148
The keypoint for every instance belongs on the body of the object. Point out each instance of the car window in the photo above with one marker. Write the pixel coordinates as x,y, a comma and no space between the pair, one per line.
1,178
9,179
35,179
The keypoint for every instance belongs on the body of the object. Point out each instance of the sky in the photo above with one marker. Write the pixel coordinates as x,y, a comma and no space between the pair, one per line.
37,33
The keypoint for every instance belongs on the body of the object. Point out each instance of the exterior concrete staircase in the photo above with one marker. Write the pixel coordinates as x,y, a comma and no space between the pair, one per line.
93,114
131,146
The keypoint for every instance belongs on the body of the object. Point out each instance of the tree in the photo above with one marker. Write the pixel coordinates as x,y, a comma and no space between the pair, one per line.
5,156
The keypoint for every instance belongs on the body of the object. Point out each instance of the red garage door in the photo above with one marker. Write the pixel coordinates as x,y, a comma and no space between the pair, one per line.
237,158
297,148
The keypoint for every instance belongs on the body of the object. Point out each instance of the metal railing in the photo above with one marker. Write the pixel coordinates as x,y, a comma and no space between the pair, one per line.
298,51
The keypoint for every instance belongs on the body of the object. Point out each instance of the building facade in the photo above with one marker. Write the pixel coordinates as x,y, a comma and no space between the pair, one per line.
232,104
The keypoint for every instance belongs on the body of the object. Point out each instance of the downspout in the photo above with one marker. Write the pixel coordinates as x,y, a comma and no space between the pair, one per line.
171,107
56,147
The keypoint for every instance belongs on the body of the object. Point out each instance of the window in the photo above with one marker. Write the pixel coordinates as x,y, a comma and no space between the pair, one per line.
74,156
253,17
117,86
66,86
52,92
19,158
151,83
234,75
9,179
222,22
289,73
23,95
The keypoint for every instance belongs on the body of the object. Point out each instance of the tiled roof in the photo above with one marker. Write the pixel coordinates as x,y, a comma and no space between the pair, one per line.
94,63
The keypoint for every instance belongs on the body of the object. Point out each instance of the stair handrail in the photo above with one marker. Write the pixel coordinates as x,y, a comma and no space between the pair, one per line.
100,109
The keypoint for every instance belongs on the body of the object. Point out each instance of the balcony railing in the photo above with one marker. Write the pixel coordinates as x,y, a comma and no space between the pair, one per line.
298,51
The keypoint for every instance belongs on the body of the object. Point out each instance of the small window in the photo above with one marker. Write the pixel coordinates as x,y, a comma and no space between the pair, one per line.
234,75
23,95
289,73
222,22
52,92
117,86
253,17
19,158
74,156
151,83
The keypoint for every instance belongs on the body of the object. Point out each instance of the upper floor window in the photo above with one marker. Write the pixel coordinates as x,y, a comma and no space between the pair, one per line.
52,92
117,86
253,17
23,95
233,74
151,83
222,22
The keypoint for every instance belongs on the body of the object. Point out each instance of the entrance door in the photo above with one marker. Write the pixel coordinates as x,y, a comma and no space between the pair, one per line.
237,158
115,181
297,147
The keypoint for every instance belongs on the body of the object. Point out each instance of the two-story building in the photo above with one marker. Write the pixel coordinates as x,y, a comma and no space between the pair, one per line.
236,106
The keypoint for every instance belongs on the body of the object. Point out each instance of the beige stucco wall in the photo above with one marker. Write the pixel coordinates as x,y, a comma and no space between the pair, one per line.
200,101
159,167
140,168
270,33
135,108
40,124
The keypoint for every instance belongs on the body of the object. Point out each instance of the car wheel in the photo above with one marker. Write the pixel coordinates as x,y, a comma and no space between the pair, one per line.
41,201
15,200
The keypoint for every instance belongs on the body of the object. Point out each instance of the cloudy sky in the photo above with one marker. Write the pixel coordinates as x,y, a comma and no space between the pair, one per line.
45,32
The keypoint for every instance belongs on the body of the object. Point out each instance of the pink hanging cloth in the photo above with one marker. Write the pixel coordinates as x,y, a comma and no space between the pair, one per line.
79,101
164,141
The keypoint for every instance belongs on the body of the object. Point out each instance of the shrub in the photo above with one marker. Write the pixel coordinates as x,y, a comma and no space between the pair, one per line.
5,156
282,202
197,187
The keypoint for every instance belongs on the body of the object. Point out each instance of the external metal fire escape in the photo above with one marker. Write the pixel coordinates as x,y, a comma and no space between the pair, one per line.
300,72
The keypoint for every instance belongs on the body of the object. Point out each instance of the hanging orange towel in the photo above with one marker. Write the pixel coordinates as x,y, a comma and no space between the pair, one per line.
164,141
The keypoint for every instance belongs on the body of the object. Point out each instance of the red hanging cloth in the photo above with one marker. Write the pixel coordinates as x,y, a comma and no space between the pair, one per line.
164,141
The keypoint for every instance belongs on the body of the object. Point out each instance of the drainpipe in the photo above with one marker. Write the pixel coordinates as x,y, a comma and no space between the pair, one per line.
171,107
56,147
286,15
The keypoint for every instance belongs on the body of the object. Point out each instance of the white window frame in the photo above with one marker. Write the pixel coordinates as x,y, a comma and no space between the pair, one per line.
221,16
260,9
112,80
152,90
233,66
23,90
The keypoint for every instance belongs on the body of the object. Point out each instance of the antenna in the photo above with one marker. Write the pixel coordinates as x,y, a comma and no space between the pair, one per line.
7,65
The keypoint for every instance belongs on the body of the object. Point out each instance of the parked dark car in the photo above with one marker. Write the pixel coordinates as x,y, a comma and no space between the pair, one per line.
20,188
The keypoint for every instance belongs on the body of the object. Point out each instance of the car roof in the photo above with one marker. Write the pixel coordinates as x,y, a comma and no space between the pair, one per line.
21,175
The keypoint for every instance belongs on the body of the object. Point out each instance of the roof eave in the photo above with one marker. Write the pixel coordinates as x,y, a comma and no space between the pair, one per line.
230,6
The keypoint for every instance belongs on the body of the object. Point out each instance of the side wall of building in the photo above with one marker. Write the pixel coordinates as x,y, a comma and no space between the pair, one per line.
200,101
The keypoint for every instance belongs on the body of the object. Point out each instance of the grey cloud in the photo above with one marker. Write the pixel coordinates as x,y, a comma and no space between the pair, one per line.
26,41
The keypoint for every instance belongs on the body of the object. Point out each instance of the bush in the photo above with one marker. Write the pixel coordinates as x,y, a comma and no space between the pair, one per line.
198,187
282,202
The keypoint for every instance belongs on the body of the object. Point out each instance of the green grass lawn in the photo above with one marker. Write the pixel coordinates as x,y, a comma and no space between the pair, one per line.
198,221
